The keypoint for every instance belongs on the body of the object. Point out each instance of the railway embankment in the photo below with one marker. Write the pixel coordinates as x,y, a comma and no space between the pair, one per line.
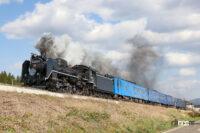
31,110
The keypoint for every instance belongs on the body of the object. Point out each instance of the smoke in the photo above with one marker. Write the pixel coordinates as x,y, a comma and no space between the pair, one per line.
100,63
53,47
143,66
74,53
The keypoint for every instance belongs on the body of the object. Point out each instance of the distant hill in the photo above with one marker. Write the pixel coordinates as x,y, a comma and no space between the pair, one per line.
196,101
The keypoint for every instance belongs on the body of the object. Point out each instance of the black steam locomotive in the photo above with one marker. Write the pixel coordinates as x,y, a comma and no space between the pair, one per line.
57,75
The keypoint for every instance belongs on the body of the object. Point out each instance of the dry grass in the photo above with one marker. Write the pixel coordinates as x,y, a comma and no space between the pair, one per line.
33,113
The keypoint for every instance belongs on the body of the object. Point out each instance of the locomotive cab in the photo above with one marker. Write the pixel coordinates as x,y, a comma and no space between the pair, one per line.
86,73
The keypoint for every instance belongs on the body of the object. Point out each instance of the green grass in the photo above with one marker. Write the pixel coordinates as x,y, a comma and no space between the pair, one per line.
151,125
88,116
144,125
77,120
191,116
52,115
9,123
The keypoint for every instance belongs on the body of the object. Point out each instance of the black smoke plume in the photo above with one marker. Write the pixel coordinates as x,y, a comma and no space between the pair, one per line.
52,47
143,66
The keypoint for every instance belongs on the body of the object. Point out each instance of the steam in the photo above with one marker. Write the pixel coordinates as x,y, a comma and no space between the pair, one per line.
142,66
99,62
143,63
74,53
53,47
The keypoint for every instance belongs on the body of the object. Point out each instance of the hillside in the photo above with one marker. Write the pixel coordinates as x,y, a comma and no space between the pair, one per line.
20,112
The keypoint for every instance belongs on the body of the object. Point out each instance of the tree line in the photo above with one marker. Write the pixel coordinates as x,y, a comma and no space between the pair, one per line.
8,78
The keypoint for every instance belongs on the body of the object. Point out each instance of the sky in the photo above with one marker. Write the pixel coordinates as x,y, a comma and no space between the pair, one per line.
171,26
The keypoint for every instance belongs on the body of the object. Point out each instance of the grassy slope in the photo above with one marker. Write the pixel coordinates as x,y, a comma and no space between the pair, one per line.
24,112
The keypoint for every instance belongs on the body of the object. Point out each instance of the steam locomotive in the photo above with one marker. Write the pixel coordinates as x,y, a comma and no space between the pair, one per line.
57,75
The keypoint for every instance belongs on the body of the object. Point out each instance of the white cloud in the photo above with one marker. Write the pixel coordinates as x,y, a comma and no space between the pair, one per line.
68,18
182,59
187,72
116,33
54,17
180,87
162,15
147,17
63,19
9,1
182,36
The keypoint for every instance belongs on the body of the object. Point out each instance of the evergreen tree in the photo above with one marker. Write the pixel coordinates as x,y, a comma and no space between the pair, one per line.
8,78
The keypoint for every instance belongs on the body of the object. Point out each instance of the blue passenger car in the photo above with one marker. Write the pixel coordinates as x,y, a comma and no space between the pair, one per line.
162,98
170,100
129,89
153,96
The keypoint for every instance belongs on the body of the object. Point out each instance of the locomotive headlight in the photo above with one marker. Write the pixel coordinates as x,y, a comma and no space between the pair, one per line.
32,71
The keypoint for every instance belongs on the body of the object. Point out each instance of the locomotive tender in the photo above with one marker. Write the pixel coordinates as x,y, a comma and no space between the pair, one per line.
57,75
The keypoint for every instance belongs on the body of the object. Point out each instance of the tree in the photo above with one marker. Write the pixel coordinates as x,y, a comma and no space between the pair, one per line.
8,78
